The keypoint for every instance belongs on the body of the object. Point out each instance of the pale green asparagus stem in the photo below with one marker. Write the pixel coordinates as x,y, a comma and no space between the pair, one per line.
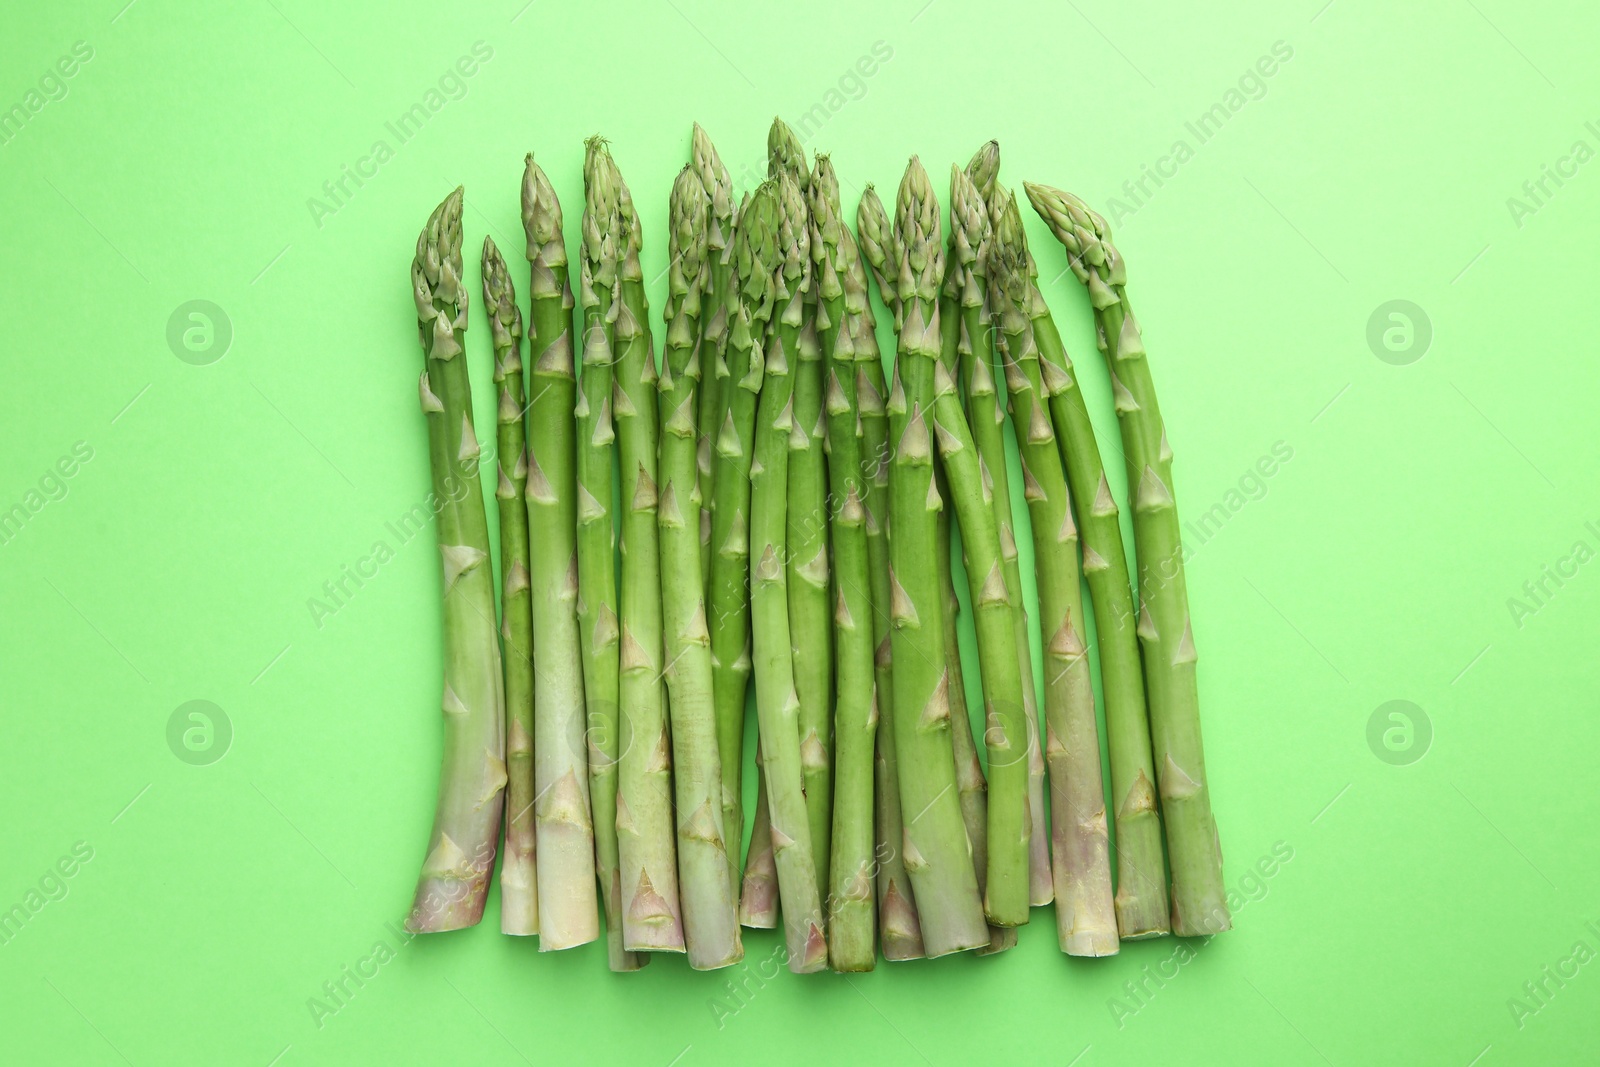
519,896
776,704
472,776
1199,897
569,912
937,853
852,920
1085,916
711,929
758,898
810,610
899,929
597,590
714,323
647,849
749,310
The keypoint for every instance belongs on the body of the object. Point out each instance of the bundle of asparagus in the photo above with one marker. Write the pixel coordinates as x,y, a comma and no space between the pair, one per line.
787,516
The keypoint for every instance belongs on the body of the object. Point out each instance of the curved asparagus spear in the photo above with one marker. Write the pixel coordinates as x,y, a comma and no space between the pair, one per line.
937,853
714,322
651,915
597,590
711,930
781,209
899,929
472,776
1199,898
852,925
1085,917
569,914
750,309
810,612
519,895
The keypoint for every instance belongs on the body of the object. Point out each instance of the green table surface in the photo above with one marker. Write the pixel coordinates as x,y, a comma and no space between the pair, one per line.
1385,502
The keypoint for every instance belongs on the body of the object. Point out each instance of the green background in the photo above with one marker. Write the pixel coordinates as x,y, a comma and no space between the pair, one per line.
1433,871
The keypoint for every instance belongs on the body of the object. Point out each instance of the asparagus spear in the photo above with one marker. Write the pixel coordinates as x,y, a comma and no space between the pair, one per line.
568,911
651,915
969,221
711,931
714,321
1085,917
758,898
597,591
1141,899
970,782
472,776
994,605
938,856
750,309
852,925
983,171
810,610
519,896
1199,899
780,210
899,929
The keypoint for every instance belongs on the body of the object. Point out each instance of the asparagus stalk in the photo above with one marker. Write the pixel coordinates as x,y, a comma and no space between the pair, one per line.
969,219
852,922
758,899
810,610
651,916
519,896
983,171
899,929
779,211
714,322
739,367
597,591
1141,899
1199,899
1085,917
970,782
472,776
567,904
711,930
937,853
996,610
